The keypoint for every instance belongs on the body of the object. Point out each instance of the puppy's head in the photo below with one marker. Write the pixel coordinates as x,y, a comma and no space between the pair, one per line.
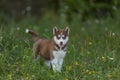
61,36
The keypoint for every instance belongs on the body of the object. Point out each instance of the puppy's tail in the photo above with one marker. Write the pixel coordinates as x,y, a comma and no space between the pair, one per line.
34,34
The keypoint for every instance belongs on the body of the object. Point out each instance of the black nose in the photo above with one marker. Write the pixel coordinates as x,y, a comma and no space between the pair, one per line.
61,43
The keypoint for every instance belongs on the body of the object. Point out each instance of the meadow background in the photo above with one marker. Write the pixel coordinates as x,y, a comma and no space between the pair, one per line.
94,45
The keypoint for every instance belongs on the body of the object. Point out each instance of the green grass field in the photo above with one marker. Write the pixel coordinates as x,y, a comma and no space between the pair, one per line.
93,50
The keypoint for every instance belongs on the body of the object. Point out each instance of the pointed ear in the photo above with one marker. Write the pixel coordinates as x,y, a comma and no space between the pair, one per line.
55,29
67,30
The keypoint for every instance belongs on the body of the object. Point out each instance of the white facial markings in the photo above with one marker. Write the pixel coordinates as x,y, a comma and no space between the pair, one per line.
58,41
63,35
59,36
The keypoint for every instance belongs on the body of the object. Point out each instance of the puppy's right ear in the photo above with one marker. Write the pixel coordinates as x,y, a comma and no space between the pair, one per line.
55,29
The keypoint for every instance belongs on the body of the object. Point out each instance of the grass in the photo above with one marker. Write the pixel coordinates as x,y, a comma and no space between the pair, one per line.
93,50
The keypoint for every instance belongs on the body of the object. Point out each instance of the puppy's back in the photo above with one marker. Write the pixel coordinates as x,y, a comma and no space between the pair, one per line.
44,48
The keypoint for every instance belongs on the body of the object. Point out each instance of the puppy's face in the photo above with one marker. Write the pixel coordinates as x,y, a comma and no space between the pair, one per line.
61,36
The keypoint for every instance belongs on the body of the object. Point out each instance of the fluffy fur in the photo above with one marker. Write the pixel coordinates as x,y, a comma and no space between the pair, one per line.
54,50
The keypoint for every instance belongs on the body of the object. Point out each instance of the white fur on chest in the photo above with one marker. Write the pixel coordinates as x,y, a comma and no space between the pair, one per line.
59,54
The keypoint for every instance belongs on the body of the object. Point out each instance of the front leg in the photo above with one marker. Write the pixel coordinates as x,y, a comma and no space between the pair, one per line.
54,63
57,64
60,62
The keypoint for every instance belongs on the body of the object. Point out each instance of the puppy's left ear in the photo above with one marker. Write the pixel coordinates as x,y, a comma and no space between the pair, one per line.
67,30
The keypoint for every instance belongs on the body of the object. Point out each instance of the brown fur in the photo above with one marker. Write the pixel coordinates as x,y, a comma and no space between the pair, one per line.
43,48
34,35
61,31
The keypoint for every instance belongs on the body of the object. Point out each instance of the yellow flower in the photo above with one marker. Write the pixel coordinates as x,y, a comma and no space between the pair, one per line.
26,78
66,79
90,43
89,72
70,68
103,59
10,76
76,63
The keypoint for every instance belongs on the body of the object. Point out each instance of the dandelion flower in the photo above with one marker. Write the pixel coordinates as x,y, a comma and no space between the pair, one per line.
103,59
26,78
90,72
70,67
10,76
76,63
90,43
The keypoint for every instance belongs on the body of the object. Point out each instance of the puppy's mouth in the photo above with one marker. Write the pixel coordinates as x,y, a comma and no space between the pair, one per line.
61,44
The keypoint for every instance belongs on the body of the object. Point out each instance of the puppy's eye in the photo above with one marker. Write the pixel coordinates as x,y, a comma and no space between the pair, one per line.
63,36
58,36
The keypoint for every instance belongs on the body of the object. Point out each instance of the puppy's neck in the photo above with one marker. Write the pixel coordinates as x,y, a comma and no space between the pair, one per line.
58,48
